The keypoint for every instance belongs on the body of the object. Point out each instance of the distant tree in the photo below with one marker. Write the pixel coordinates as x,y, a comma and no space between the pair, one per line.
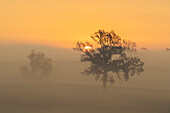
25,71
40,65
108,57
144,48
167,49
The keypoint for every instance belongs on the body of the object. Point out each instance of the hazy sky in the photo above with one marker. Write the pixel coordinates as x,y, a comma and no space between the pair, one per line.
61,23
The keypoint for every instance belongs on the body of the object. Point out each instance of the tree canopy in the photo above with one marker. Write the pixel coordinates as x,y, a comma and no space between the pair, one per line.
108,57
40,65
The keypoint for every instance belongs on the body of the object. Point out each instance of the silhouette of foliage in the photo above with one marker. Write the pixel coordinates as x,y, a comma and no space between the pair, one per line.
104,58
40,65
129,65
167,49
144,48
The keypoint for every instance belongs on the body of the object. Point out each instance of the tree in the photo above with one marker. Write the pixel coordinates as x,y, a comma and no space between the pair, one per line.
144,48
167,49
40,65
108,57
24,71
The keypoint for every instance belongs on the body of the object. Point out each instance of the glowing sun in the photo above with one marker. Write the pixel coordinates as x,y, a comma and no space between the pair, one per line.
88,48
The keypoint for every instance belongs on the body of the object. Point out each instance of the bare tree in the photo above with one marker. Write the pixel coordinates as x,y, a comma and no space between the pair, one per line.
40,65
108,57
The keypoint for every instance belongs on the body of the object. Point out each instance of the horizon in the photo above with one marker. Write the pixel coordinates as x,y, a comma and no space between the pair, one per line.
19,52
60,47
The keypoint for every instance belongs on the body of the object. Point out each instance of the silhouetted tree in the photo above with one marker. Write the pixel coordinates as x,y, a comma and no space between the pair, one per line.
25,71
129,65
144,48
40,65
167,49
108,57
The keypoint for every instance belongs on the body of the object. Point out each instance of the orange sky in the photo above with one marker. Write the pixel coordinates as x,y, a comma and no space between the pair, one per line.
61,23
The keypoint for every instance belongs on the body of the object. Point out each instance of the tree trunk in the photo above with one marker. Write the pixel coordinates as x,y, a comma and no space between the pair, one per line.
126,75
104,81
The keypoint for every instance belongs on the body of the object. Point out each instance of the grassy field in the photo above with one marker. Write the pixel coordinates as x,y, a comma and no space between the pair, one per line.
76,98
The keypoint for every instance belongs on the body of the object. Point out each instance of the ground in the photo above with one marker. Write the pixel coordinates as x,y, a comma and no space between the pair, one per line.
76,98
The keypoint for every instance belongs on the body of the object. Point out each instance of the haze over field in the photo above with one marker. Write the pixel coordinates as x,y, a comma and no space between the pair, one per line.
68,91
68,68
40,72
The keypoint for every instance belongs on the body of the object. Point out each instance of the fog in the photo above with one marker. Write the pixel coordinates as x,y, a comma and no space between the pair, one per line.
66,90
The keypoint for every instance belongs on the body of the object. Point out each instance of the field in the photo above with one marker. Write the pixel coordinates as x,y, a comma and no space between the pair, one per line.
69,98
68,91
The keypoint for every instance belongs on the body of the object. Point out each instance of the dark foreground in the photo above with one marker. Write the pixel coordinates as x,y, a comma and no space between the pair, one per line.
69,98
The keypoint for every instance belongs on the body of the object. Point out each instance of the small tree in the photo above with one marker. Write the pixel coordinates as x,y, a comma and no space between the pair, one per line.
108,57
40,65
144,48
25,71
167,49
